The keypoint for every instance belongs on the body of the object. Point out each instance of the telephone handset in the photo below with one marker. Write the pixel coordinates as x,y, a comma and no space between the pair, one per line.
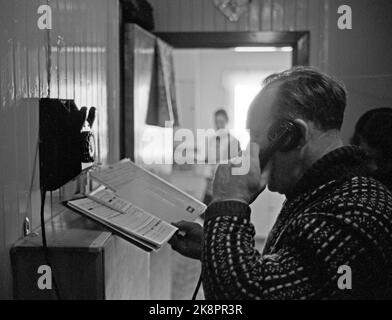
283,136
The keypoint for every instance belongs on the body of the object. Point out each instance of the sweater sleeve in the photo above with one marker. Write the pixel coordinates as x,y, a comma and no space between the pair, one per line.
234,269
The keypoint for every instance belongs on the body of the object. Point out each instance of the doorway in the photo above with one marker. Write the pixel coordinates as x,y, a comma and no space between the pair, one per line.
225,71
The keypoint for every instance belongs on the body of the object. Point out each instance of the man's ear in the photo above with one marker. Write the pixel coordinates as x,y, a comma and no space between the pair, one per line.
304,128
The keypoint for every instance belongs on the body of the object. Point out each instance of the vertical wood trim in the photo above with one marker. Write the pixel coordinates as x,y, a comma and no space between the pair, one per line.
266,15
197,14
254,15
278,13
208,13
219,19
289,15
301,21
326,32
111,73
314,21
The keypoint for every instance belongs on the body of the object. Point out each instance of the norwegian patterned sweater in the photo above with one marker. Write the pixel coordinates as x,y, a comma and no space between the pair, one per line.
338,216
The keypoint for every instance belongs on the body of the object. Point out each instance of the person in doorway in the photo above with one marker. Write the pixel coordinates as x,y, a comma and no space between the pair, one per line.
222,146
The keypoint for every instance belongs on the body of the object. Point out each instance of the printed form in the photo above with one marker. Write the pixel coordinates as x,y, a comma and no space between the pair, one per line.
148,191
108,208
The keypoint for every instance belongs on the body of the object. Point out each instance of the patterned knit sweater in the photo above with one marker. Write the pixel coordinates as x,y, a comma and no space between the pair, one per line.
337,216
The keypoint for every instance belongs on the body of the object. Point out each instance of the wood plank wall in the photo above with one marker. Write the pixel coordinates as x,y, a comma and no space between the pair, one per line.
84,66
263,15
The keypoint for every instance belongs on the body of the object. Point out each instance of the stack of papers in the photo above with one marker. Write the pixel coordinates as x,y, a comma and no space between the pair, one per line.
137,205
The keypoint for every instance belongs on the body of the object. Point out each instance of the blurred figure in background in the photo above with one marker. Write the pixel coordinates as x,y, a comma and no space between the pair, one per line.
373,133
222,145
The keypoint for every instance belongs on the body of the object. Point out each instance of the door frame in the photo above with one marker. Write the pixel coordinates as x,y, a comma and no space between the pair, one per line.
298,40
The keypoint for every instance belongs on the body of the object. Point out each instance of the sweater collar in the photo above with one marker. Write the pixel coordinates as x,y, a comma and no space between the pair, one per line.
339,164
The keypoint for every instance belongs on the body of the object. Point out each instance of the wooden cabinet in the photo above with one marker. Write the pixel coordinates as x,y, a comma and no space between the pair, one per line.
89,263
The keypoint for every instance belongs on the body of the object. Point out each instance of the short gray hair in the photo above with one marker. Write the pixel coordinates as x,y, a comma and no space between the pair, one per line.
311,94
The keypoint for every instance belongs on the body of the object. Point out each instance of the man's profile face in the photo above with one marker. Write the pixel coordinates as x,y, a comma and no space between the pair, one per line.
285,166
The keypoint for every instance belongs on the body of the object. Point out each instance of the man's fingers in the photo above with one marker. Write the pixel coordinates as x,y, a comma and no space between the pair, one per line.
173,240
178,245
184,225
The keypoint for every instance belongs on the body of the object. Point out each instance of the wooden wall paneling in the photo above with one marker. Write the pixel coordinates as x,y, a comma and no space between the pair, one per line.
315,24
83,55
77,27
266,15
69,50
2,144
278,12
159,18
20,67
103,124
5,41
37,75
324,32
101,107
4,281
93,51
24,77
290,13
34,184
86,61
208,16
174,14
219,19
232,26
274,15
105,118
87,52
9,161
43,59
127,134
53,53
197,14
302,9
167,13
32,52
110,146
29,108
185,9
20,71
243,23
254,15
63,41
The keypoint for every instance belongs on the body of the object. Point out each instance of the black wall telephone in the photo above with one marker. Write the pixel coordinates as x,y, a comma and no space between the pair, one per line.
283,136
65,141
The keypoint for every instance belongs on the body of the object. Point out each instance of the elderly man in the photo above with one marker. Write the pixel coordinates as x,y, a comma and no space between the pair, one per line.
333,236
